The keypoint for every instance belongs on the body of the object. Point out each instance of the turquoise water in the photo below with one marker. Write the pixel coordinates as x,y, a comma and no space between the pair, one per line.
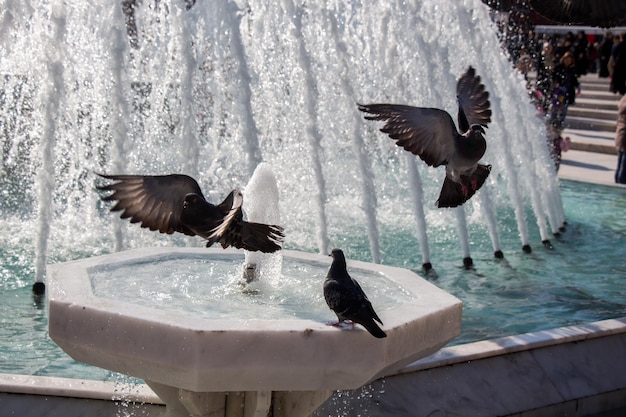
580,279
209,288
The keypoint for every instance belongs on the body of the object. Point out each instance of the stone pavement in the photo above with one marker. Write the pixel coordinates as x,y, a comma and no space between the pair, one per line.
590,124
592,167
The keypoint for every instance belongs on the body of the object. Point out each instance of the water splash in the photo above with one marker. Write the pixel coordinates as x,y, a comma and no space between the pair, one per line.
487,207
313,131
217,88
51,101
260,205
461,224
415,184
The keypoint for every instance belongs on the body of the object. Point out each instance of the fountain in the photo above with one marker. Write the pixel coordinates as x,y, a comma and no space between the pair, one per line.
231,357
213,90
199,363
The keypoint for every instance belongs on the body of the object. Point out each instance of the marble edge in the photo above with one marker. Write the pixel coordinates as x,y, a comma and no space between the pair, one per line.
79,388
74,282
75,388
517,343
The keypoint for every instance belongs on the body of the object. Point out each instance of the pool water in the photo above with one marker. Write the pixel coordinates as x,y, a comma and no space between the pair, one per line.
580,279
210,287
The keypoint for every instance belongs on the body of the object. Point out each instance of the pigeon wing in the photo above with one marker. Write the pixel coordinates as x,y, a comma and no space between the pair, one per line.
426,132
154,201
337,298
230,225
473,101
367,305
234,231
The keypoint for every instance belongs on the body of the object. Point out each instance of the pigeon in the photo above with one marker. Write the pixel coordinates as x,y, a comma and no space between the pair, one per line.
174,203
431,134
346,298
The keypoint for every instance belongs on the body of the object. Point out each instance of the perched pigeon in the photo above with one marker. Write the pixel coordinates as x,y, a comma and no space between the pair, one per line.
431,134
174,203
346,298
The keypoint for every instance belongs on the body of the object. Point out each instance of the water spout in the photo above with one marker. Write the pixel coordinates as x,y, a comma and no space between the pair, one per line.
313,131
118,59
461,223
51,98
249,126
260,204
369,202
188,135
417,191
487,207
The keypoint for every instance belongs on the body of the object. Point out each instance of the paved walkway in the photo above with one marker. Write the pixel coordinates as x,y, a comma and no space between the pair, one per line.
591,124
593,167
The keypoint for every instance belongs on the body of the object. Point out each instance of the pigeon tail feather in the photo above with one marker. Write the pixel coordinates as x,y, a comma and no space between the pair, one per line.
373,328
454,194
262,237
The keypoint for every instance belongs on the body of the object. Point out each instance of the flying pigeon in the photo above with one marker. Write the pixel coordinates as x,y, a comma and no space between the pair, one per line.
431,134
346,298
174,203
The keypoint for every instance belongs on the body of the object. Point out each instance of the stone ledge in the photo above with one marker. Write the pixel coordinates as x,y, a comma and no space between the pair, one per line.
533,373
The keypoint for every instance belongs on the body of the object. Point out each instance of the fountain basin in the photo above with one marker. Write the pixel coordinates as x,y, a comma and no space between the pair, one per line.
201,354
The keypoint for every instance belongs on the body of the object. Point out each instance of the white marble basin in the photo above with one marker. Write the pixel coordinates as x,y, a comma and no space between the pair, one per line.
202,354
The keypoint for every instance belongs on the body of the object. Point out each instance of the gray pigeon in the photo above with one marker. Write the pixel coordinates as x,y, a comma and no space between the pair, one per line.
431,134
346,298
174,203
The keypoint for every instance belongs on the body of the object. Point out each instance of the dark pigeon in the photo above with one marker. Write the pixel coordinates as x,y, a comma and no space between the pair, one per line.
431,134
346,298
174,203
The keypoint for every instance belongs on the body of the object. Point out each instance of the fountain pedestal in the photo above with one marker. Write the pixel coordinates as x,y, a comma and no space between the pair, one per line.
232,367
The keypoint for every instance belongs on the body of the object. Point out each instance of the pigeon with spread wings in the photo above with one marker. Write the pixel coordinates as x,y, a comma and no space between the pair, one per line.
431,134
174,203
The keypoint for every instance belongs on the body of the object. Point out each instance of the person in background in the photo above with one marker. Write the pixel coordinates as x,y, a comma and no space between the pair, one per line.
614,52
580,51
564,75
604,55
618,77
593,57
565,87
524,62
545,67
620,142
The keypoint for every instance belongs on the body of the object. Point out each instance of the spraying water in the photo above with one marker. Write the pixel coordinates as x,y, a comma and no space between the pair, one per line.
213,89
313,131
51,100
261,205
415,184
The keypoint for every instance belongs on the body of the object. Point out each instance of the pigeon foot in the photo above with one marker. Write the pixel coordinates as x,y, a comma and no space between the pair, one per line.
346,324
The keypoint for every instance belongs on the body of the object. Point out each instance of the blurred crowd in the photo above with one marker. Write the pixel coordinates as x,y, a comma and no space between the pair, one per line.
558,61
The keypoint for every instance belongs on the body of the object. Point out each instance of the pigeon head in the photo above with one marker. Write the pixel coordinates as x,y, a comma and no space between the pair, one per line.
338,267
191,200
338,255
477,129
